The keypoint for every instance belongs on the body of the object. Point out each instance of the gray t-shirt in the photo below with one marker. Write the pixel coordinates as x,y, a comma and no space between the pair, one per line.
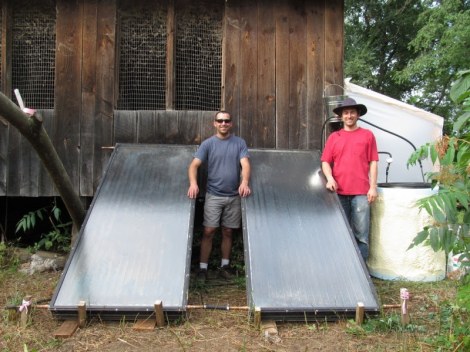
222,157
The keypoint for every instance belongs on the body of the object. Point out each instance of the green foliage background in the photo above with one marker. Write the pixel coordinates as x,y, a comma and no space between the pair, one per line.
410,50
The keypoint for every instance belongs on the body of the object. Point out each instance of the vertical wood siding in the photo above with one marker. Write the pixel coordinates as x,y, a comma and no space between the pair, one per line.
277,57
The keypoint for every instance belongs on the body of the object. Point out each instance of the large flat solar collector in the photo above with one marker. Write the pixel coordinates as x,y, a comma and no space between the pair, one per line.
302,262
135,244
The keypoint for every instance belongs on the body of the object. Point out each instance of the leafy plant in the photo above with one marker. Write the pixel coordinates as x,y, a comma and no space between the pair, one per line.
8,258
59,234
450,206
454,334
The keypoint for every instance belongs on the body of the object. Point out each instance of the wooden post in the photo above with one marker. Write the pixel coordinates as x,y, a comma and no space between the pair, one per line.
359,313
404,296
159,314
24,310
82,314
258,317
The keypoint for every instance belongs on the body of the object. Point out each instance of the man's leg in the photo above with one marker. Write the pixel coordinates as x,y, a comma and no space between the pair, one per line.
226,246
346,205
360,223
206,244
213,208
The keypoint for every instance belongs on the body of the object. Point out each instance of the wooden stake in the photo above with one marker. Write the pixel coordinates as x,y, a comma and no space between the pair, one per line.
159,314
82,314
359,313
24,310
404,296
258,317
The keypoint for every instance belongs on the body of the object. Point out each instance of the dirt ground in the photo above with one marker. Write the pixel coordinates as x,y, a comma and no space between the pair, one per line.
217,330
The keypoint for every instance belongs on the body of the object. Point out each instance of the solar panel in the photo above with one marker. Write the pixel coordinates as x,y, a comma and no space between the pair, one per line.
302,262
135,245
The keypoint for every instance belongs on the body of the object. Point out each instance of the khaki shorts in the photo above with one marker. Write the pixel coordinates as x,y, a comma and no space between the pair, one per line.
225,211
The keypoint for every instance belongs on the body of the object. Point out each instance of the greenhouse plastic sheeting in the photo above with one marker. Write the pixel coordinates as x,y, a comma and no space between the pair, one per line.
135,245
302,262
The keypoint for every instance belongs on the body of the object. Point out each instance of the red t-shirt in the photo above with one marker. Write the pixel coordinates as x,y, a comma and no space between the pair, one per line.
350,153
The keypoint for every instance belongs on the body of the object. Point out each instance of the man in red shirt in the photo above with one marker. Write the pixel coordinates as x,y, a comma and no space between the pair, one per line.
349,163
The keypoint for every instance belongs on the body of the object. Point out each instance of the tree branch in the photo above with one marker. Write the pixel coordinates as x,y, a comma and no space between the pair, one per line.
32,129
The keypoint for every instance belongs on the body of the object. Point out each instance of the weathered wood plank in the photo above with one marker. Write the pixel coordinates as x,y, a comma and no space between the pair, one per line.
125,126
67,329
68,85
264,122
231,59
147,127
166,126
89,78
282,75
105,86
14,162
45,185
334,42
206,125
248,67
297,75
29,174
188,127
315,75
6,89
3,156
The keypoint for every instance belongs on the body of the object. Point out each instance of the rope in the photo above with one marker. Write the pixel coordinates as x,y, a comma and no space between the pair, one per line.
24,306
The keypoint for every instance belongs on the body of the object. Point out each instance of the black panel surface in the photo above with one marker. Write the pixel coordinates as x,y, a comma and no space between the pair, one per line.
135,244
301,259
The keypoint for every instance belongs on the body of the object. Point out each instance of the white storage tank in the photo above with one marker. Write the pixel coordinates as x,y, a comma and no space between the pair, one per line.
395,222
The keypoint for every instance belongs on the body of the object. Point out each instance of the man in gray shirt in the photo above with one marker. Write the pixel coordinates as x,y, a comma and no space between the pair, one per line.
228,167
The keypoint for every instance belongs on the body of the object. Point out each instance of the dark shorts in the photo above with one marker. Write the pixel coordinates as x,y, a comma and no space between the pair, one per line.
225,211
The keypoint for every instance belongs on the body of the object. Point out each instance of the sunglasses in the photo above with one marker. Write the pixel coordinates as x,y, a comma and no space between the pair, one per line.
221,121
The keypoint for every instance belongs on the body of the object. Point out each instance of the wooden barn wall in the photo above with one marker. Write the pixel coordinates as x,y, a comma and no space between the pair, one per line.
278,56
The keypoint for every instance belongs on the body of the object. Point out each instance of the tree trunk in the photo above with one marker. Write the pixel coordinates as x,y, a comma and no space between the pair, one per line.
32,129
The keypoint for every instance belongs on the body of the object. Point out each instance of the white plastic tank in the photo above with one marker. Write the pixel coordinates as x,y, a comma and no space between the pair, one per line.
395,222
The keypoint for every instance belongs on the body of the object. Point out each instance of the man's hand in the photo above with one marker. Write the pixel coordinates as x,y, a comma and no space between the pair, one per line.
244,190
332,185
372,194
193,191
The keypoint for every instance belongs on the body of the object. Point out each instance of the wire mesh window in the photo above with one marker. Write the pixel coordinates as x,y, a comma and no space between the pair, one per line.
199,55
142,57
33,51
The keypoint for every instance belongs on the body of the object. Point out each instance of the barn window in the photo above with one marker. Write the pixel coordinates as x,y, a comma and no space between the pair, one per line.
198,55
143,54
142,57
33,52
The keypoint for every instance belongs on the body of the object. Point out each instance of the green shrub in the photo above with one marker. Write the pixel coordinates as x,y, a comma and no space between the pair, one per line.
57,238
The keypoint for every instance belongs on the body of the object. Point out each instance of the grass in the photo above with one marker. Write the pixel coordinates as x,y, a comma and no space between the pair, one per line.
434,323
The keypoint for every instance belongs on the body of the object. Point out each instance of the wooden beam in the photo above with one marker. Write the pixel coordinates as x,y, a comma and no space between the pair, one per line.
144,325
67,329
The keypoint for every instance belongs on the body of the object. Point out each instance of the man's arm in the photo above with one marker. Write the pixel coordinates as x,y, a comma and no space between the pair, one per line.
244,189
192,175
373,171
328,172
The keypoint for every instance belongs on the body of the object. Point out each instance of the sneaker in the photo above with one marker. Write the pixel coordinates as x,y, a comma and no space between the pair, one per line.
201,276
225,273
